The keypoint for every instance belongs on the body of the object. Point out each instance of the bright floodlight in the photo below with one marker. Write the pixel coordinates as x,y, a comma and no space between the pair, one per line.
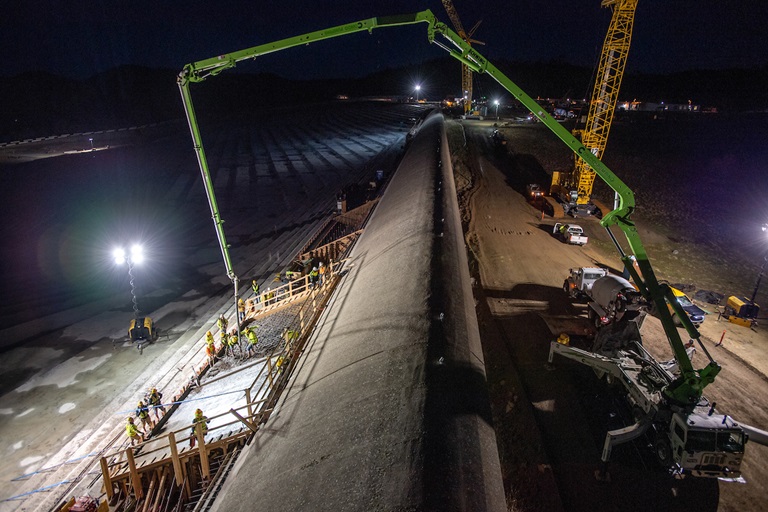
496,102
137,253
119,254
765,227
136,256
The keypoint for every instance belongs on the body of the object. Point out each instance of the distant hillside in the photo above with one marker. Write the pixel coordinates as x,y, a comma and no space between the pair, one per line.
41,104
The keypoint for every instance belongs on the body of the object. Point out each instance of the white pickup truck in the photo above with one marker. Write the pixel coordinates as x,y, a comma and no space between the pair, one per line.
570,233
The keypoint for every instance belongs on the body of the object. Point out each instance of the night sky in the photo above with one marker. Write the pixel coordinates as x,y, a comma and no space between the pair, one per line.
79,38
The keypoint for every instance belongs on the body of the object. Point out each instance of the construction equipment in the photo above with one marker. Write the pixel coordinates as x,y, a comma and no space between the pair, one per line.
741,311
673,407
691,439
142,332
466,72
533,191
575,187
609,297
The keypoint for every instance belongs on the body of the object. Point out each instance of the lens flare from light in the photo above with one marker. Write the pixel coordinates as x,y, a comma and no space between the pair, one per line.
137,253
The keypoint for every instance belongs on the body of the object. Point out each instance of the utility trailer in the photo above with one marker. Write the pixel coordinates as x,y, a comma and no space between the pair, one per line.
691,439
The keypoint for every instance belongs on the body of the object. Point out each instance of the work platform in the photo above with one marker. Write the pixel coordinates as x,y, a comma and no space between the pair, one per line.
142,475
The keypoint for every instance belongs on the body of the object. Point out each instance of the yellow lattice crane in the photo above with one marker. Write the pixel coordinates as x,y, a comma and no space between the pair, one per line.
466,73
605,94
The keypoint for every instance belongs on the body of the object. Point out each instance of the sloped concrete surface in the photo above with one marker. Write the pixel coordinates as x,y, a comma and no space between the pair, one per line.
388,408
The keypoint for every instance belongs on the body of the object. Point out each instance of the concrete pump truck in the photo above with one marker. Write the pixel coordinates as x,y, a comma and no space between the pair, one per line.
689,435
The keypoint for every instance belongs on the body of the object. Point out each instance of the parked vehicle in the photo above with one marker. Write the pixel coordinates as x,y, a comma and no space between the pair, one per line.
534,191
570,233
694,312
580,280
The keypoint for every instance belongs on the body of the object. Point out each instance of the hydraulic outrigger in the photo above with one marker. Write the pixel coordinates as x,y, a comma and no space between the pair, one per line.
681,395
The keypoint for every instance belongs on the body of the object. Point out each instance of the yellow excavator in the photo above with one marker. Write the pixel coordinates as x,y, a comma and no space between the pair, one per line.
574,188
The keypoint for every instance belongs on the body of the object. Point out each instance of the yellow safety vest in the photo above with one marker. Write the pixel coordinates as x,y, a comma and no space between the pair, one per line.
131,430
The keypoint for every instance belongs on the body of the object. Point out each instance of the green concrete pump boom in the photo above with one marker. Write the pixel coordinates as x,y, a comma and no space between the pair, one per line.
684,391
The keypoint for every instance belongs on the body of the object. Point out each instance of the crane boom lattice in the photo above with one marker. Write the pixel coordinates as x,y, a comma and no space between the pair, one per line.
605,94
466,72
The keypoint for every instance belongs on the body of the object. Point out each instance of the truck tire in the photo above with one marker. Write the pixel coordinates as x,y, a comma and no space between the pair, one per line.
566,287
662,450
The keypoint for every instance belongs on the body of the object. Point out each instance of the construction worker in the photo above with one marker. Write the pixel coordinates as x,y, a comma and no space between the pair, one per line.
209,338
255,288
270,296
222,323
155,400
133,432
230,341
253,340
142,412
314,275
210,350
201,420
250,307
321,271
224,341
240,310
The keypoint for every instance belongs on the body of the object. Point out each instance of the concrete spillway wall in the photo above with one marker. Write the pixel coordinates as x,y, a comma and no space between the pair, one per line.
388,409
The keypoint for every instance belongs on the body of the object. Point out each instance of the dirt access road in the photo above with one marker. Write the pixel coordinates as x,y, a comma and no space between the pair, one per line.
551,421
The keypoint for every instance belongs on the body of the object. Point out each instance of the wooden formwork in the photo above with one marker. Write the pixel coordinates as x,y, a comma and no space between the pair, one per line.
157,475
333,251
339,227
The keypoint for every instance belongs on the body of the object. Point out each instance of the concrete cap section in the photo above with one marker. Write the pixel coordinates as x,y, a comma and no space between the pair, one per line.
357,428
